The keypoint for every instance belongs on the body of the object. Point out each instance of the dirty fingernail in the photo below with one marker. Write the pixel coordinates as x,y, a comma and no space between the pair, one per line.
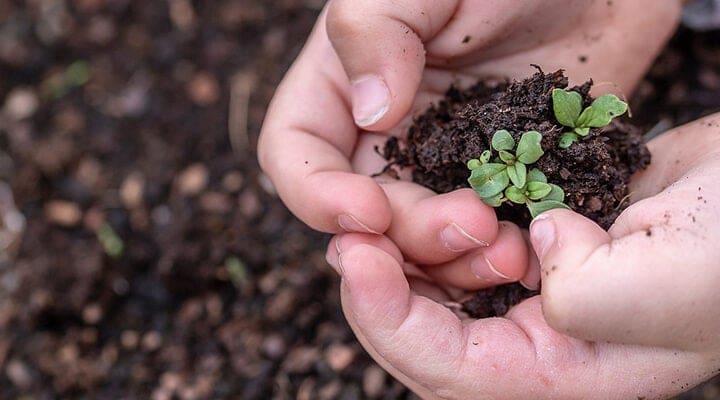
456,239
486,271
542,235
527,284
351,224
371,100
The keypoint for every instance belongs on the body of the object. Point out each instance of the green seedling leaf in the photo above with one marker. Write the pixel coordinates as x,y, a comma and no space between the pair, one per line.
529,149
489,180
537,208
507,157
495,201
556,194
237,271
567,139
77,73
515,195
567,106
582,131
518,174
474,164
111,242
535,175
538,190
502,140
602,111
485,156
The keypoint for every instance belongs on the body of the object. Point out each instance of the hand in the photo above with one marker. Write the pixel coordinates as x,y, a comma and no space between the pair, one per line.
376,63
653,279
399,320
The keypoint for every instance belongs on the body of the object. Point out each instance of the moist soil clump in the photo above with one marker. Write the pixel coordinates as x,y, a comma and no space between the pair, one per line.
594,173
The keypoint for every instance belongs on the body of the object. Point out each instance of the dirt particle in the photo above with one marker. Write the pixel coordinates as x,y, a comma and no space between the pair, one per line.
132,191
193,179
203,89
648,233
583,59
466,39
339,356
373,381
63,213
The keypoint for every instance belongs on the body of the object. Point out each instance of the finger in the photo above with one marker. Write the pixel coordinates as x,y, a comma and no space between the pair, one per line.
431,228
380,45
604,25
425,346
652,279
306,142
531,280
504,261
647,287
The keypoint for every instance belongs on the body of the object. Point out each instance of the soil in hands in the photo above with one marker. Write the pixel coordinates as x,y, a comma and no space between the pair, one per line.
594,173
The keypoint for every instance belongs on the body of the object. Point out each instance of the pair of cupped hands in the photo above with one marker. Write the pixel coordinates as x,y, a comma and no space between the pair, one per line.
632,312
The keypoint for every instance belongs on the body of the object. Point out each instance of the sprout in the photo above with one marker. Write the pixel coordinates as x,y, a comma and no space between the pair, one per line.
507,178
567,106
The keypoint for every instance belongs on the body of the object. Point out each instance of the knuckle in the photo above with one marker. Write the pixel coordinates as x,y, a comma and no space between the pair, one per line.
343,20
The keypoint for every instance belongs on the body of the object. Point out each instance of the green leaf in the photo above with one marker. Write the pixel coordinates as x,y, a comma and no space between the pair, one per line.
507,157
518,174
567,139
489,179
582,131
515,195
537,208
567,106
110,241
538,190
485,157
503,140
602,111
529,149
495,201
556,194
474,164
535,175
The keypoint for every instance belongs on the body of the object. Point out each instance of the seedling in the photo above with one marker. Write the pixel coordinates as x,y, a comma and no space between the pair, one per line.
508,178
567,106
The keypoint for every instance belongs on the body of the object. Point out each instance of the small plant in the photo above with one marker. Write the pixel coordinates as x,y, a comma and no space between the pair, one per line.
567,106
508,177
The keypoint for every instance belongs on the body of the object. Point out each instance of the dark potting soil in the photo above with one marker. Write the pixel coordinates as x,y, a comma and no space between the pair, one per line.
594,173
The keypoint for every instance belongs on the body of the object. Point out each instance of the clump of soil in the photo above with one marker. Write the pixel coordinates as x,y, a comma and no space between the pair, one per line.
594,173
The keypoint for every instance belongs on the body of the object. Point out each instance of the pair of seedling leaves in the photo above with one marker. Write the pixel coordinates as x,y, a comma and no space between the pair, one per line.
508,178
567,106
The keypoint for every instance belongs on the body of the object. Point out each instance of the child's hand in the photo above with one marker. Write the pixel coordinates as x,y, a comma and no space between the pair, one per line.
402,55
427,347
654,280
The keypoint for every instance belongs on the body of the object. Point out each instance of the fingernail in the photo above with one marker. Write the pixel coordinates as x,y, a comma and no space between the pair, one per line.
371,100
340,266
351,224
332,258
486,271
530,286
542,235
456,239
338,248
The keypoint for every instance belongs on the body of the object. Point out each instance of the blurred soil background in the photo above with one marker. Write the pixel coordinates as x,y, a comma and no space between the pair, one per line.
142,252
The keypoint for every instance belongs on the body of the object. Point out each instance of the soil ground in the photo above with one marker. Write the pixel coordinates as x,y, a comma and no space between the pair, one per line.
116,114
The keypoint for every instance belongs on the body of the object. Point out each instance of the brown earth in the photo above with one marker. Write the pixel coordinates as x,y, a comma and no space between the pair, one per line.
115,113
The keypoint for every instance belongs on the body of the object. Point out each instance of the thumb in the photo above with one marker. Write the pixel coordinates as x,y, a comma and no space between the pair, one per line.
651,286
563,241
380,45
